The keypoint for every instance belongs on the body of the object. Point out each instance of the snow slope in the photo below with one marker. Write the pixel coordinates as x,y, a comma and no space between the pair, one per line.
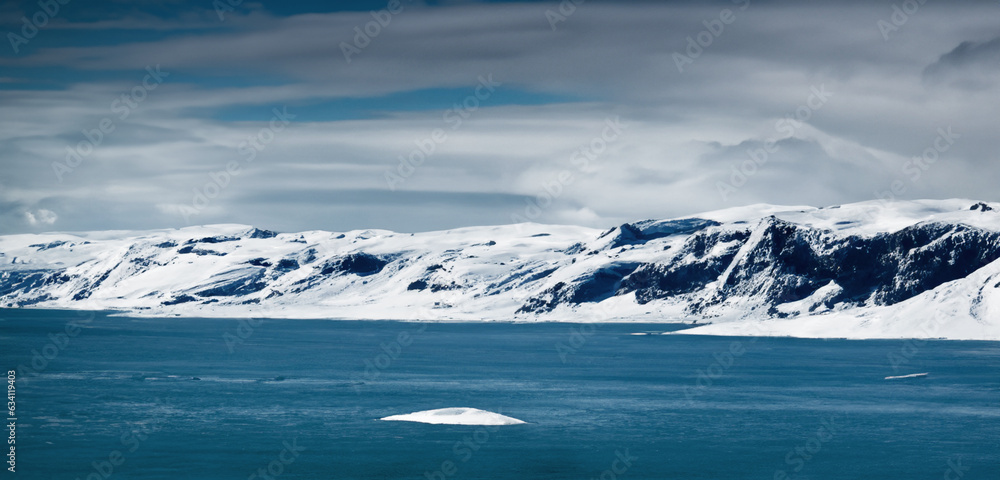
865,270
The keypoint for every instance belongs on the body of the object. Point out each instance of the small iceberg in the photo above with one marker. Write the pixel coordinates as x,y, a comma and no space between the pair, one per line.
455,416
912,375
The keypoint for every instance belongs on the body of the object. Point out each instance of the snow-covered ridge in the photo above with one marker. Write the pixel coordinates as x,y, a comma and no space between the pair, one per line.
865,270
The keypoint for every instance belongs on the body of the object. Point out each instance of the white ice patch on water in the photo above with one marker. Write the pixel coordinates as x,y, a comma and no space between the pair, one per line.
912,375
455,416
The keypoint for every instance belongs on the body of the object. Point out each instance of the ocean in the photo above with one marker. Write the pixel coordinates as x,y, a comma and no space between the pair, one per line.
100,397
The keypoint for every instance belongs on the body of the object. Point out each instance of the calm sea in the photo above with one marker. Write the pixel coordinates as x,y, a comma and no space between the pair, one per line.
169,398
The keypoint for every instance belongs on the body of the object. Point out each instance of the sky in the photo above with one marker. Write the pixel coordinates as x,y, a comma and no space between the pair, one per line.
414,115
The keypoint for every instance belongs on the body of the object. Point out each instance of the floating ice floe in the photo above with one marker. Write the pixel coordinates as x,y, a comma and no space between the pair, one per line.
455,416
912,375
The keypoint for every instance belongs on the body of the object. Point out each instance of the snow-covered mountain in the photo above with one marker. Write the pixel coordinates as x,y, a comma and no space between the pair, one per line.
866,270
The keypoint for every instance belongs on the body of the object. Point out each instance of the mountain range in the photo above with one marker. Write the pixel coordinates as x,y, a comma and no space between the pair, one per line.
917,269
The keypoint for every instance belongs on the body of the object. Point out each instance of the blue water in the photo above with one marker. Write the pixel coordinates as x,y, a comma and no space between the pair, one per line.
600,402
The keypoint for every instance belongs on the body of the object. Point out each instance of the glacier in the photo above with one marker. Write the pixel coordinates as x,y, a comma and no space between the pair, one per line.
904,269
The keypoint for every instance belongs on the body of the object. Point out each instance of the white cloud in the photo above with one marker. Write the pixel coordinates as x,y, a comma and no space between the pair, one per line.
41,217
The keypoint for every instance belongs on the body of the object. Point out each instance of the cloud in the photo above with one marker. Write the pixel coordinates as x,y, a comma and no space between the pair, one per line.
686,130
968,53
970,65
40,217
